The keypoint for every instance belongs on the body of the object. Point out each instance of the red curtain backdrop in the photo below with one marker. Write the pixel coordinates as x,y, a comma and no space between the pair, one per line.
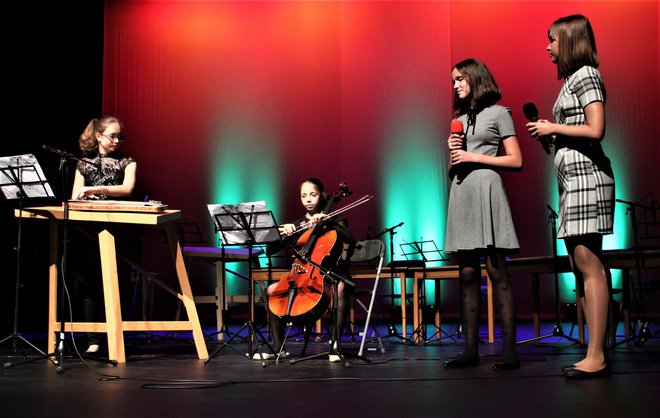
344,90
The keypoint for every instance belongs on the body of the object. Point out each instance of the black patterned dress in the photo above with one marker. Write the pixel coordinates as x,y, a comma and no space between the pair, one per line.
104,170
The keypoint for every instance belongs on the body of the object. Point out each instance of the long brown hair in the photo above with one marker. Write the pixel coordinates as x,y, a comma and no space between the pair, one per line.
483,88
577,44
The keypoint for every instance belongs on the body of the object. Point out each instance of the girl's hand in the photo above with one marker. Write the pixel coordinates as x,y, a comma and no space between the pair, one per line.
455,141
459,156
317,217
86,193
542,127
286,229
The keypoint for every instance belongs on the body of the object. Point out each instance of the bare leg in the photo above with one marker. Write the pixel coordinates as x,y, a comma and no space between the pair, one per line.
586,256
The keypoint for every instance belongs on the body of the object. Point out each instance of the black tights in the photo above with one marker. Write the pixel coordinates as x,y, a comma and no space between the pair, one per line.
470,277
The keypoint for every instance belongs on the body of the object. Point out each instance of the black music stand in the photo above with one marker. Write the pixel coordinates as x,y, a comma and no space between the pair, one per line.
247,225
65,159
425,252
557,330
643,333
21,177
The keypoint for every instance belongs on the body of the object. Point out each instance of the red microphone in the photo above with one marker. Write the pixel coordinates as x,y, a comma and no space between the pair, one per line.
456,127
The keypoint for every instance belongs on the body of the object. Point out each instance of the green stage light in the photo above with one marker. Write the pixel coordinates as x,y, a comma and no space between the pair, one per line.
415,187
244,165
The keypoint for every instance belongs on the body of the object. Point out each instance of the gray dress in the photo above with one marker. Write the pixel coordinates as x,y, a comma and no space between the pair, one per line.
478,213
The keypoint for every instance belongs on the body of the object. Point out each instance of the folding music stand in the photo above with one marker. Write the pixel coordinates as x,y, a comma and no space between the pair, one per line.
65,159
557,330
425,252
21,177
418,250
644,332
246,224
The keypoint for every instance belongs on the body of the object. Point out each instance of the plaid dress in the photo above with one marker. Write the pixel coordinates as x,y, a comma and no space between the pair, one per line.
584,173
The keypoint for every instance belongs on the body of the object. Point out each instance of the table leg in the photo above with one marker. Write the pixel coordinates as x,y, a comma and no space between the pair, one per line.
186,295
416,308
404,322
437,314
625,299
115,332
220,301
52,287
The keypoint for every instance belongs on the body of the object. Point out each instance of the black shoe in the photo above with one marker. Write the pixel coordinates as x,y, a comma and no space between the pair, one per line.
501,366
461,362
580,374
567,367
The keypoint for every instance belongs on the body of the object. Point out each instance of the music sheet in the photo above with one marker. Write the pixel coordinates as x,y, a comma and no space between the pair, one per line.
26,171
236,222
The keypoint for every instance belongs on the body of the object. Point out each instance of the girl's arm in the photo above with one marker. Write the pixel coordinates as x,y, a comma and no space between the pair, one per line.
593,129
121,190
512,157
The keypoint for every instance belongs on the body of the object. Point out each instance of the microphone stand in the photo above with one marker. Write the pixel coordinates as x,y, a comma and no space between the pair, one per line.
391,233
58,354
391,329
557,331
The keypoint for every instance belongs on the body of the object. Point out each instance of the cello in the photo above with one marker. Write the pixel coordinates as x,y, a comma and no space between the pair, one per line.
302,294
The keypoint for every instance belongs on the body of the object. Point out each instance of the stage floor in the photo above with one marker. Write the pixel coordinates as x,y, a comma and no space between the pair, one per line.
163,377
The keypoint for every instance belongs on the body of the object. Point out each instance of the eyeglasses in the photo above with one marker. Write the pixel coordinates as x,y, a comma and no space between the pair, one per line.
119,137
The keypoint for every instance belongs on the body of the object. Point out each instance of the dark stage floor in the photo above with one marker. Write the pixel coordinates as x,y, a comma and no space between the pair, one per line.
163,377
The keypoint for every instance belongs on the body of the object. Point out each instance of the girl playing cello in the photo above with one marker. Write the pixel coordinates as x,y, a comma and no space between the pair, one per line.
314,201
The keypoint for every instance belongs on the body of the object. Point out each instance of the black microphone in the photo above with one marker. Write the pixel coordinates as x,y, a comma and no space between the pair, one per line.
532,114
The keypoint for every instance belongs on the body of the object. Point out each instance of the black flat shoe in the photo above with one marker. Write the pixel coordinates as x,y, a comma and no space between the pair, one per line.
567,367
580,374
462,362
501,366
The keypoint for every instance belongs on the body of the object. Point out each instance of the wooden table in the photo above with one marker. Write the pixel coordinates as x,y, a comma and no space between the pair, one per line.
219,256
624,260
438,274
221,299
387,273
114,326
357,273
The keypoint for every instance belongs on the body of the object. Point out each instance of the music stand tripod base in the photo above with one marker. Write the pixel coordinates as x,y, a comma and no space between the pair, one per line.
246,224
